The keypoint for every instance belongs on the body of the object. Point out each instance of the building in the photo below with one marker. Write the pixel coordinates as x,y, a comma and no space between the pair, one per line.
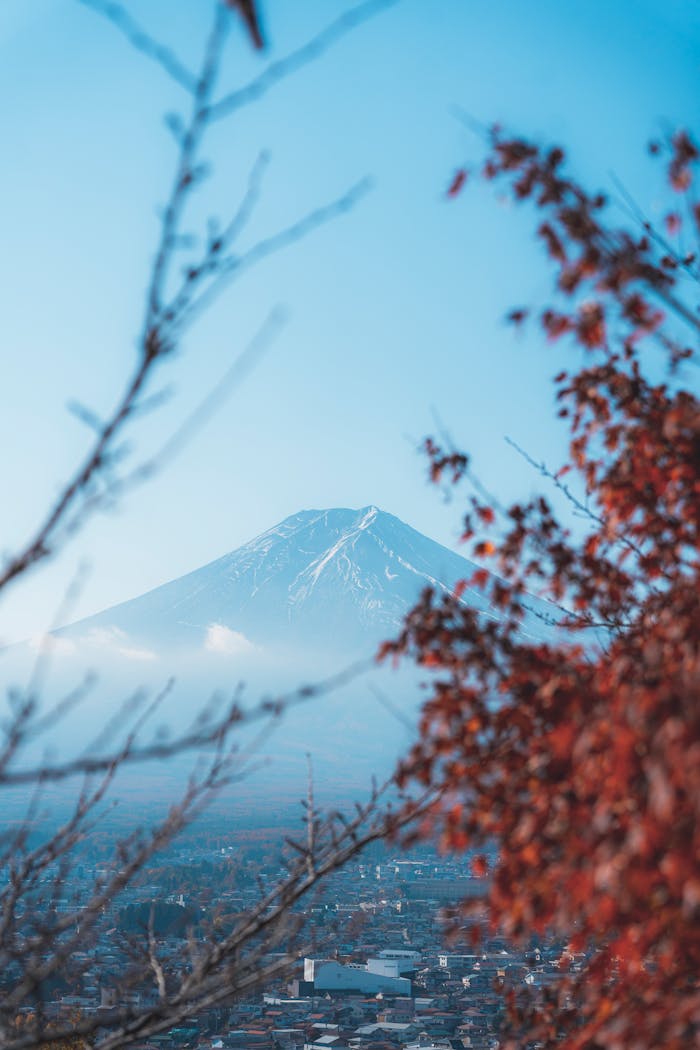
326,975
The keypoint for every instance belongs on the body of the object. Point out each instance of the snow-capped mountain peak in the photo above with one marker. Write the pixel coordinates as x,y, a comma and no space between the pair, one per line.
342,578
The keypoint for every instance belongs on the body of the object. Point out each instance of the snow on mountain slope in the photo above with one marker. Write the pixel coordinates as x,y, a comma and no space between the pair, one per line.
299,602
339,578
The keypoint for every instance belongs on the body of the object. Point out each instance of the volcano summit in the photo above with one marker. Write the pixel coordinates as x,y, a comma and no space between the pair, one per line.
339,580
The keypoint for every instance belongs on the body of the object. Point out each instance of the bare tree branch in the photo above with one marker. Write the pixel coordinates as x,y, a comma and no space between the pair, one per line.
40,941
166,316
234,265
143,42
202,735
296,60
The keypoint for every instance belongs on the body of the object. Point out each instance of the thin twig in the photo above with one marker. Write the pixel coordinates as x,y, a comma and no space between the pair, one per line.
234,265
296,60
144,42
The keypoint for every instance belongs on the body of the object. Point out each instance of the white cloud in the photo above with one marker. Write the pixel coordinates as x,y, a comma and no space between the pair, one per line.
52,643
115,640
221,639
108,637
133,653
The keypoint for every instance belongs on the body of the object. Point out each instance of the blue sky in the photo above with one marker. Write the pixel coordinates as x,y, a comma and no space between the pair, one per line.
394,311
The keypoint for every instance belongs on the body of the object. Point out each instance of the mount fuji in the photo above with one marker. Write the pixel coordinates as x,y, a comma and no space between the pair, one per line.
335,581
309,597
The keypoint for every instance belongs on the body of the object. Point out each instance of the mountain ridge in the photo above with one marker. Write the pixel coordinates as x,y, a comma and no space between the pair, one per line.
314,595
317,576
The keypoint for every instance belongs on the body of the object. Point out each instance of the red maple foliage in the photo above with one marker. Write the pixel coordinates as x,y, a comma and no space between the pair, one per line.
579,755
458,182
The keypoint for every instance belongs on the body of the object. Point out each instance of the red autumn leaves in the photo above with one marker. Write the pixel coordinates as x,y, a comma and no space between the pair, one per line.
579,756
458,183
